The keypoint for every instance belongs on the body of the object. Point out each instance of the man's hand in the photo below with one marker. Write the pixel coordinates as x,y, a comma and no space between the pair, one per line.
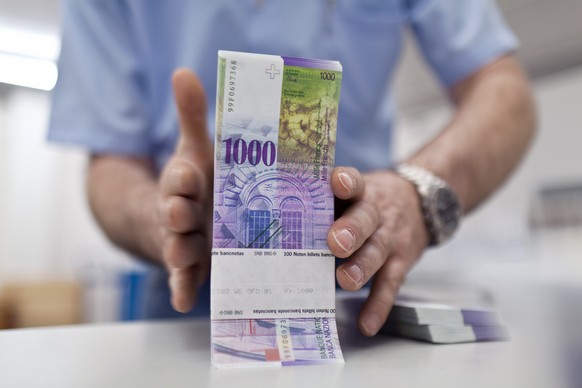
185,201
381,234
165,220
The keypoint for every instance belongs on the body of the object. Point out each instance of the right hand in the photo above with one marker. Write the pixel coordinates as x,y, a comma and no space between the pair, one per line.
185,195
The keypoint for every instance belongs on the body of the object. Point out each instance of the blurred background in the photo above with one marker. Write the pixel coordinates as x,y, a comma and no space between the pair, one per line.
56,266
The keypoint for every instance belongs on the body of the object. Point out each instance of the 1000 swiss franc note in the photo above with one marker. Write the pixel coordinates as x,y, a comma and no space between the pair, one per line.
273,205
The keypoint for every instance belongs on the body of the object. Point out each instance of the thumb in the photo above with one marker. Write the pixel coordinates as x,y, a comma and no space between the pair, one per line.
192,109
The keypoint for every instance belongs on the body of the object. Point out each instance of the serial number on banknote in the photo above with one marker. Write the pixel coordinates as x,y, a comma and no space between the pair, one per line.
242,291
232,71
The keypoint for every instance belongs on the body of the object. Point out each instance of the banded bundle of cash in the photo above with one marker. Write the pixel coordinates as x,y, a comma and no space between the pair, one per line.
434,321
272,279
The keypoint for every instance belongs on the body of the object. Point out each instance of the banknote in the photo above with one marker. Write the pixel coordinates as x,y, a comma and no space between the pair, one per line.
275,144
275,342
432,320
273,206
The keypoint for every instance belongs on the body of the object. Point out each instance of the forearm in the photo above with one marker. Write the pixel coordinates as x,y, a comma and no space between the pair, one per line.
122,194
488,135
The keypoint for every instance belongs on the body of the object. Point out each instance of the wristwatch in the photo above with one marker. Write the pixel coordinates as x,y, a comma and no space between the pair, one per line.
440,205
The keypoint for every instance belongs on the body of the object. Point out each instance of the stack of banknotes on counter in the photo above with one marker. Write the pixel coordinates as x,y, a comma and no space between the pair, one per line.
430,320
272,278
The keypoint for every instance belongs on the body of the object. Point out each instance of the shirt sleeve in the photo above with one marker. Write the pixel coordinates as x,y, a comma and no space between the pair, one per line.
458,37
101,99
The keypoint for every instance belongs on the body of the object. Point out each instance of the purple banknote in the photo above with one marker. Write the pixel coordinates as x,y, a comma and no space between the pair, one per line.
272,273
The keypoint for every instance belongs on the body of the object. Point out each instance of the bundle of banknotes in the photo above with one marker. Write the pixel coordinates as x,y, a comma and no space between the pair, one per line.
433,321
272,278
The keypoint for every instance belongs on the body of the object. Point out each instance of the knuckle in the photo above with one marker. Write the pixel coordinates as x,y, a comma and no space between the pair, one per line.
407,243
379,251
382,241
183,249
178,213
161,211
175,251
372,213
371,257
181,178
184,176
363,221
182,215
172,211
393,282
168,250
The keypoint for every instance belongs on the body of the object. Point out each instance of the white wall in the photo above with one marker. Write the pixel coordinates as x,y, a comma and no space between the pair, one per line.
46,229
27,194
45,225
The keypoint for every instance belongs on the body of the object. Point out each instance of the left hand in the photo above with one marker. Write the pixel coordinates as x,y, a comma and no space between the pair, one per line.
381,234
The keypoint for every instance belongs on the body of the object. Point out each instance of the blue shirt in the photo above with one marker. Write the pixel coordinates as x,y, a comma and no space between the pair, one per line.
114,92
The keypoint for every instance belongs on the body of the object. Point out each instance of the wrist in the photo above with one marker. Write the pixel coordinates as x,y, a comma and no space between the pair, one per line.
421,234
440,205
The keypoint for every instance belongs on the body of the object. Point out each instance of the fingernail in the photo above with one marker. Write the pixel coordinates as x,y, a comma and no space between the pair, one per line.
355,274
371,324
345,239
347,181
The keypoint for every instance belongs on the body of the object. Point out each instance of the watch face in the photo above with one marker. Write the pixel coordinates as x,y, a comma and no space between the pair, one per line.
448,210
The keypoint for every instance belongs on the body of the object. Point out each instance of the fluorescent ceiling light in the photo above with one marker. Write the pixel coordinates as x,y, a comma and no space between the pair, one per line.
29,44
28,58
30,72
